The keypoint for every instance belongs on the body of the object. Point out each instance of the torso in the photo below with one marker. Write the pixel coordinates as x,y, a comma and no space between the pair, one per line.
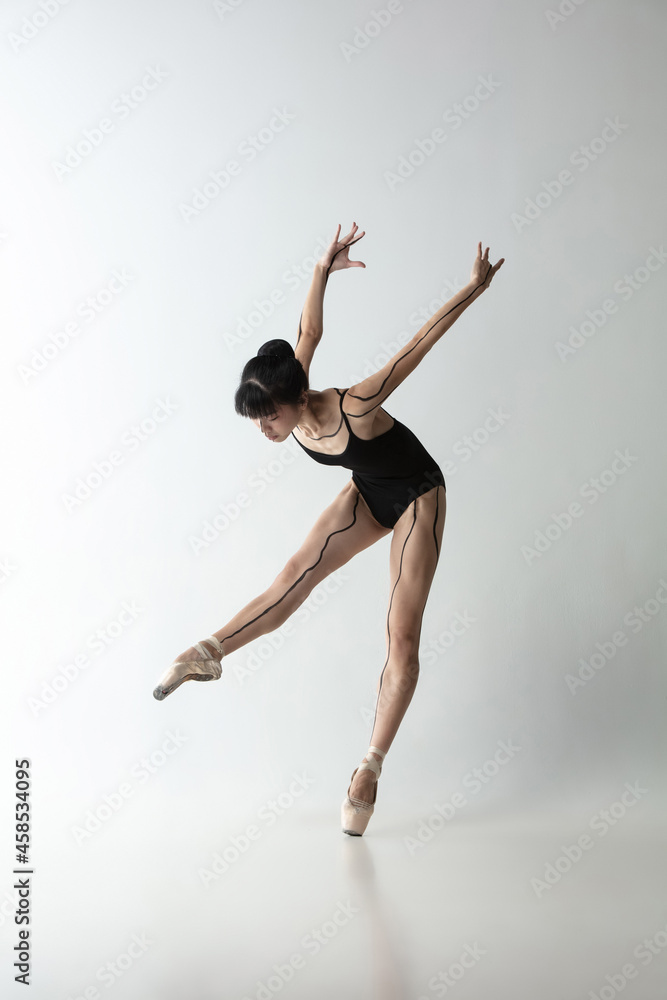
335,435
390,466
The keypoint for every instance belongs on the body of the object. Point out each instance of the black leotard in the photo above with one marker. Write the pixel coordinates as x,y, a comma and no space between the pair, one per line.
390,471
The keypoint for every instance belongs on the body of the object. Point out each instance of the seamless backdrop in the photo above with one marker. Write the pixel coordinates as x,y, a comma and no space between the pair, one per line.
170,173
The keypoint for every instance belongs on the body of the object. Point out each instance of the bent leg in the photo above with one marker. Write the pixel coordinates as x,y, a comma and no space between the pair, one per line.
414,554
344,528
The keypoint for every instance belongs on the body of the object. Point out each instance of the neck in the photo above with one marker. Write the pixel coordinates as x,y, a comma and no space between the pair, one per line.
310,422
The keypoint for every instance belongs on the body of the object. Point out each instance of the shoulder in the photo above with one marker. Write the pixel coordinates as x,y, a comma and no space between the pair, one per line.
358,399
331,404
337,399
328,402
366,418
357,402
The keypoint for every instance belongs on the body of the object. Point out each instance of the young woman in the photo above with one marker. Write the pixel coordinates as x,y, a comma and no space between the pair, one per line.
396,488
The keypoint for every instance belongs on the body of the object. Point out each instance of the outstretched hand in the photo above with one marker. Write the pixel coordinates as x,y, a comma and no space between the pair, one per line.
335,257
482,270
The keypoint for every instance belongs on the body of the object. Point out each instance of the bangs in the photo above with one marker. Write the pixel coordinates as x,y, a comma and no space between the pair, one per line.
253,401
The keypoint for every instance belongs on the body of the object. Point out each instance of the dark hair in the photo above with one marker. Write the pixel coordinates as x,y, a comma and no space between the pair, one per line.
272,378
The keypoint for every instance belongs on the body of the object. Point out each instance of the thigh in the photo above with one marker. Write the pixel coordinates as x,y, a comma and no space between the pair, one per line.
344,528
414,555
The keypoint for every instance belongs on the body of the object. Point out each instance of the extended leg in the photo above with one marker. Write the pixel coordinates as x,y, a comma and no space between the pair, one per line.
342,530
415,550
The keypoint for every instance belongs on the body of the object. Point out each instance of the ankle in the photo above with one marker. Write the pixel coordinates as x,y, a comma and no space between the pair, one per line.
210,648
213,652
375,760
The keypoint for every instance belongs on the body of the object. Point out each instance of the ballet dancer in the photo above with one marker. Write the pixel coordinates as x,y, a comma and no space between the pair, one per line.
396,488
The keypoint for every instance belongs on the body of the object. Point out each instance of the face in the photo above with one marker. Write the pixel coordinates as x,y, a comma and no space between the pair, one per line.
279,425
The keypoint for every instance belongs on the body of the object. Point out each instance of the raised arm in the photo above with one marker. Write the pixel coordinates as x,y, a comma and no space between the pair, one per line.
368,395
311,322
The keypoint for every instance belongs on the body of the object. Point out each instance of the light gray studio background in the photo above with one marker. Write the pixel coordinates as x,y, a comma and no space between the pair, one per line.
140,512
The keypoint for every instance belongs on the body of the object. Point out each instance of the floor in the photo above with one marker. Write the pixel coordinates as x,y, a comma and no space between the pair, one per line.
465,906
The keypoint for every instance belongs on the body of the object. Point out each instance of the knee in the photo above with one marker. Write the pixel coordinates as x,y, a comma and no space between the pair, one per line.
290,571
295,571
404,644
404,658
295,566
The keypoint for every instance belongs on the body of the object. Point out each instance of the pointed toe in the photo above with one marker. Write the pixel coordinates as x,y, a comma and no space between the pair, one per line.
190,670
355,813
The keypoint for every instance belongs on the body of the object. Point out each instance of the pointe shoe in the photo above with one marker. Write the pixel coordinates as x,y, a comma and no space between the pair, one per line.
190,670
355,813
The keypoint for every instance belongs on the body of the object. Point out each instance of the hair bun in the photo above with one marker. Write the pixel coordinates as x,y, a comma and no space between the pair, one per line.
276,349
